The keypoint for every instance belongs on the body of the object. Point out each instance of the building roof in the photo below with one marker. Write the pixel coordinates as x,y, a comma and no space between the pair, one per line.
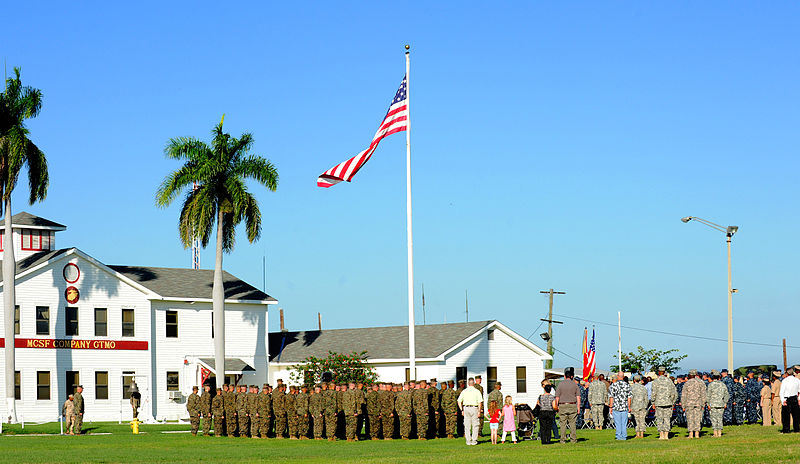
35,259
232,365
27,219
190,283
379,342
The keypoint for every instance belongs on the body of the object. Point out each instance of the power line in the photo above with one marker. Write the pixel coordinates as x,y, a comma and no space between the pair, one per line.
565,354
699,337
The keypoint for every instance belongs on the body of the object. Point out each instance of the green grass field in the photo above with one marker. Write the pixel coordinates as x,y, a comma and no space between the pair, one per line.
751,443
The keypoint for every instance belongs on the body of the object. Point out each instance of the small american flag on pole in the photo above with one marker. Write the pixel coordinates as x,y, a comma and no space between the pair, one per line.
396,120
589,364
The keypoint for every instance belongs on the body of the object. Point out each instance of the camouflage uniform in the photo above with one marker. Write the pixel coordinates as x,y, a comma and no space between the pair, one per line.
639,405
718,397
290,405
581,419
680,417
315,410
373,414
241,413
403,408
479,387
229,403
264,403
205,410
497,396
727,414
77,401
301,412
340,421
351,407
598,398
329,408
193,407
693,399
753,390
663,395
252,411
218,411
279,407
421,407
739,401
386,400
449,411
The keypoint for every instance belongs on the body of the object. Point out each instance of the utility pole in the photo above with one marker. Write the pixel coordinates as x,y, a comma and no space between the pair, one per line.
785,365
466,304
550,321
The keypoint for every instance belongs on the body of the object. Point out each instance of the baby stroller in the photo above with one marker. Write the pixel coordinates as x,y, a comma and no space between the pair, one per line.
526,420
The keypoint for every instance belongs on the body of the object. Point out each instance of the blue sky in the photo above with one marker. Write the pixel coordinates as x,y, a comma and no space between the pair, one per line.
554,145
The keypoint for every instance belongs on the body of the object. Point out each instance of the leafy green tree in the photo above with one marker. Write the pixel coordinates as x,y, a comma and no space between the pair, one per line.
343,368
17,151
643,360
220,202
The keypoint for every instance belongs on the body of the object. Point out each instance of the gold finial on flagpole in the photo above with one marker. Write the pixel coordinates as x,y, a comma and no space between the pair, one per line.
408,47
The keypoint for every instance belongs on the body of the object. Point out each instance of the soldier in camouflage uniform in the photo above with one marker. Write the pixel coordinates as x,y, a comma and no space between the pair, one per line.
739,400
229,403
301,404
351,407
262,412
727,414
680,416
718,397
218,411
193,407
241,411
386,401
753,389
329,409
663,396
598,398
479,387
205,409
403,406
315,411
437,419
639,404
279,408
496,395
372,402
421,405
693,399
449,409
290,405
252,411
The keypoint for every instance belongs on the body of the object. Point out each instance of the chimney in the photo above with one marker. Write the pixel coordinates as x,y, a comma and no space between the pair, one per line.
319,320
283,327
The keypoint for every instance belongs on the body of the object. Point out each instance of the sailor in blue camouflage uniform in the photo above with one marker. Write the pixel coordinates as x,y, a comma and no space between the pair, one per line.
680,416
584,406
706,422
753,389
739,400
727,415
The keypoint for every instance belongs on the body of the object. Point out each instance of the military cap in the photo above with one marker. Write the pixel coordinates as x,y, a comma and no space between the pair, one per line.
796,368
661,369
736,377
714,372
432,380
266,385
477,376
79,386
776,373
499,384
570,371
637,377
750,371
194,388
219,388
724,371
692,371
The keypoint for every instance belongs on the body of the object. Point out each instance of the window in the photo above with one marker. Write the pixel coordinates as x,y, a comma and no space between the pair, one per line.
522,379
43,385
408,374
16,317
491,378
73,380
101,385
490,334
17,385
172,381
100,322
127,322
35,240
42,320
461,373
127,380
71,314
172,324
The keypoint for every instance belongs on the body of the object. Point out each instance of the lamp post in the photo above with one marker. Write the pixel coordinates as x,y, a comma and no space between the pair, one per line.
729,231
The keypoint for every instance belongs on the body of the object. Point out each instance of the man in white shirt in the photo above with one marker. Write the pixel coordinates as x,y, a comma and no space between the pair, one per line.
790,389
470,402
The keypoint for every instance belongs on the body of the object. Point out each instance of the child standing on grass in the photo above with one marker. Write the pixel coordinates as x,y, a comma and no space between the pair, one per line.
494,420
509,413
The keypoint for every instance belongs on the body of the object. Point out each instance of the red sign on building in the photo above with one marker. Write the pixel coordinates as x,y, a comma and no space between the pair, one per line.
64,344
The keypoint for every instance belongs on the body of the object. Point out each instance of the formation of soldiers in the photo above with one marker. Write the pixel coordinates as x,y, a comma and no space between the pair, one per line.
352,411
695,400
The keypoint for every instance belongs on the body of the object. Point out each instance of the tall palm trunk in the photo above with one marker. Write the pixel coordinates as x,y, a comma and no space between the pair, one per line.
218,307
9,297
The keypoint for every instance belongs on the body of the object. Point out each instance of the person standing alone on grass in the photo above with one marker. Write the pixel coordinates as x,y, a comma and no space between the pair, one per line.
547,413
568,400
68,411
470,402
509,425
494,420
79,410
620,403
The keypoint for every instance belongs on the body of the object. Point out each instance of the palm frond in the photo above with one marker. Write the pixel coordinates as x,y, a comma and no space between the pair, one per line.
38,177
174,184
258,169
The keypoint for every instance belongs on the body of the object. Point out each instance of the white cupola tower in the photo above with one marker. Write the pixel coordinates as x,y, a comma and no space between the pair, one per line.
32,234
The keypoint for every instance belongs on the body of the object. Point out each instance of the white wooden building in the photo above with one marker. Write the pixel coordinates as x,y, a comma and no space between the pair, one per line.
82,322
444,351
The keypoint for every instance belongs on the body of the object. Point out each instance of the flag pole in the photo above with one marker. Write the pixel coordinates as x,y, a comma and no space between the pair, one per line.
411,340
619,335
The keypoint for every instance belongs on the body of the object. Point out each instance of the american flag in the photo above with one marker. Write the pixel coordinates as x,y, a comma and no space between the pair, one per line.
588,356
396,120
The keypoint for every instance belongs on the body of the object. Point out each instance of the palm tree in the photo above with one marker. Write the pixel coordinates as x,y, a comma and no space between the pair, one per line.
17,104
221,200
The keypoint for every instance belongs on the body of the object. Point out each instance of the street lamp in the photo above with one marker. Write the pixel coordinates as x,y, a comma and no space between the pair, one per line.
729,231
